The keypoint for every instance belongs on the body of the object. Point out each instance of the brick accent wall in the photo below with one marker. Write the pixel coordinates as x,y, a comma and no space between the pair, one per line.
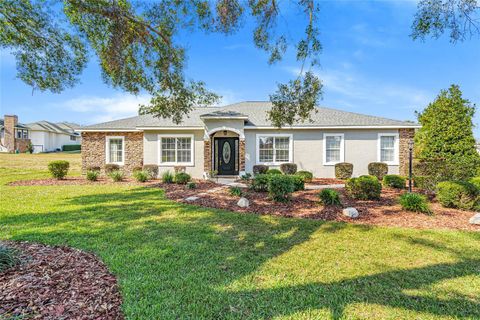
242,154
207,156
21,144
94,149
404,136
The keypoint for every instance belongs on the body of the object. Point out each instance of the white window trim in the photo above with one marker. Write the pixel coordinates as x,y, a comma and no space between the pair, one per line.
396,161
275,163
342,148
107,149
176,163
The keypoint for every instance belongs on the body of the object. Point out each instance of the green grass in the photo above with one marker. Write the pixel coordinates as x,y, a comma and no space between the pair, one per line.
176,261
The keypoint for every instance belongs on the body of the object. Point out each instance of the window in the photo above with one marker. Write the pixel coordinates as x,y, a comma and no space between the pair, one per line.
116,150
274,149
73,138
22,134
388,148
333,148
176,149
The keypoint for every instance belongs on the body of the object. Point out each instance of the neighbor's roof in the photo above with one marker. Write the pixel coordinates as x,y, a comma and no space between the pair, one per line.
256,112
51,127
19,125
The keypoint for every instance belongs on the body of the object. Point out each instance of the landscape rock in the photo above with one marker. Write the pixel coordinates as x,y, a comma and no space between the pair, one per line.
192,198
475,219
243,203
350,212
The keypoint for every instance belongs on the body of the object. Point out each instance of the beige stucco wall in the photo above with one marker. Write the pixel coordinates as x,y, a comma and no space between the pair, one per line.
151,150
360,149
216,124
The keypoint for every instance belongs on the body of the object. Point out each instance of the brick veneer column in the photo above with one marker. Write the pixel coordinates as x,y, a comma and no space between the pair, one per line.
404,135
10,123
94,149
207,156
242,155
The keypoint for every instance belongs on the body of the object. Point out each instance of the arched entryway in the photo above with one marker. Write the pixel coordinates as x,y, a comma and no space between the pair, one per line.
227,150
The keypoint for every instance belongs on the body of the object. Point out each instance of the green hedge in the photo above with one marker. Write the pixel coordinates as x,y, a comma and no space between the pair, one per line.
394,181
457,194
280,187
59,168
364,188
71,147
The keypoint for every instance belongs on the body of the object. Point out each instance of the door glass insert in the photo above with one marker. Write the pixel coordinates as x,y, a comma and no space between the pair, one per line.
226,152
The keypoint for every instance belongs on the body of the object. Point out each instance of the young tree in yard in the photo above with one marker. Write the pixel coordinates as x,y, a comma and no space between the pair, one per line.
446,135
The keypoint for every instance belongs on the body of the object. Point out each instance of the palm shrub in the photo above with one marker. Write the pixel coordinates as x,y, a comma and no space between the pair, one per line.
274,171
260,182
457,194
394,181
343,170
377,169
280,187
288,168
235,191
8,257
152,170
141,175
182,178
414,202
92,175
109,167
116,175
59,168
364,188
260,169
167,177
329,197
307,176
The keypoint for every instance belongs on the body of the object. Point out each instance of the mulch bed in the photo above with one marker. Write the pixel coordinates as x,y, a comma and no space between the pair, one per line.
58,283
304,204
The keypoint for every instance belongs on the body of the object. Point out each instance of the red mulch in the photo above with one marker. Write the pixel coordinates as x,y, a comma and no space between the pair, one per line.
304,204
58,283
73,181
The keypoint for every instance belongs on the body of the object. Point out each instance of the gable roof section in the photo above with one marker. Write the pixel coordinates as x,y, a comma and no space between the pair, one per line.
19,125
255,114
50,127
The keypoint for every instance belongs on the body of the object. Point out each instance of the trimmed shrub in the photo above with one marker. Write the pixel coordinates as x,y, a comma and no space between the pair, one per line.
59,168
94,168
191,185
116,175
30,147
246,177
329,197
288,168
280,187
236,191
377,169
307,176
260,169
343,170
71,147
8,258
140,176
92,175
167,177
457,194
394,181
152,170
274,171
475,181
414,202
260,182
364,188
298,183
110,167
182,178
428,183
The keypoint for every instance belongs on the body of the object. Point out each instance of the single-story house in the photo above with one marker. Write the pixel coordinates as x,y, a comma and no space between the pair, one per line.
232,139
47,136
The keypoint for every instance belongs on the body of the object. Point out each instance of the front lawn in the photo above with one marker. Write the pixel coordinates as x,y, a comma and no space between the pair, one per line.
175,261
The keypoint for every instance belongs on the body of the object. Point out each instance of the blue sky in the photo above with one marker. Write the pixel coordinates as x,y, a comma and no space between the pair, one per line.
369,64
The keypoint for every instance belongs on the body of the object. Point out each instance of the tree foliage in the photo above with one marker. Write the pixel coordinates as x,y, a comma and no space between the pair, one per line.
447,136
139,48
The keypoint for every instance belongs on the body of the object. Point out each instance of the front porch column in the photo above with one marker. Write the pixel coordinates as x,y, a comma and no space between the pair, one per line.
207,156
242,155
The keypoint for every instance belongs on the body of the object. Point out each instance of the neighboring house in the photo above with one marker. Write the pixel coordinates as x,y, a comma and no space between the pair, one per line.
14,136
48,136
232,139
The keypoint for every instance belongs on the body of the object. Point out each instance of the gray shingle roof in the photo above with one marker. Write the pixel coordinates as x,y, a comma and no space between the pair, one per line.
256,111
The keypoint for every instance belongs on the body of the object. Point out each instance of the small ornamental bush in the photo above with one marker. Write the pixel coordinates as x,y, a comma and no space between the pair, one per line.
298,183
182,178
151,170
329,197
364,188
260,182
110,167
394,181
141,176
288,168
343,170
116,175
59,168
8,258
457,194
191,185
377,169
93,168
307,176
274,171
428,183
280,187
414,202
30,147
260,169
236,191
475,181
167,177
92,175
246,177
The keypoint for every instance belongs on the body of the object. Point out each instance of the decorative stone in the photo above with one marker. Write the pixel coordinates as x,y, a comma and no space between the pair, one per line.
192,198
475,219
350,212
243,203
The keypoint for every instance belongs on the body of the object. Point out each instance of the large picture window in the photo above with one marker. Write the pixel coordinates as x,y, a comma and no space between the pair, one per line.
333,148
388,148
116,150
274,149
176,149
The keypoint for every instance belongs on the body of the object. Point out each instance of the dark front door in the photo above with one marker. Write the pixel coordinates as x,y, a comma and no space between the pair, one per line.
226,157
